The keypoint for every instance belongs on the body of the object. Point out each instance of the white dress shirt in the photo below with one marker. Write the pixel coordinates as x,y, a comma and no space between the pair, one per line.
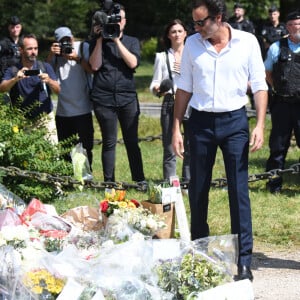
218,81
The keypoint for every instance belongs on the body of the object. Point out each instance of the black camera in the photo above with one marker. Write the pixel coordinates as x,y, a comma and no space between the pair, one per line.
66,47
31,72
108,18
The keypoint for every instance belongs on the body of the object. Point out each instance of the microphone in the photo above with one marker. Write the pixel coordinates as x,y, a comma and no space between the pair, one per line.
100,18
165,85
44,86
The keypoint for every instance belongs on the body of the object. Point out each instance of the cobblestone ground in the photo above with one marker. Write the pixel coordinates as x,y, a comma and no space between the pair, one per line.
276,275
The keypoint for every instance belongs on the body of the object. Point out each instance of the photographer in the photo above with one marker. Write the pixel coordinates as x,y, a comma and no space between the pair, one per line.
31,82
69,59
9,46
114,96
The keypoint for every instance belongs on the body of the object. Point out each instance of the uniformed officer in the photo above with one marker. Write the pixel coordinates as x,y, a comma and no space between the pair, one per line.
283,74
238,20
273,30
9,46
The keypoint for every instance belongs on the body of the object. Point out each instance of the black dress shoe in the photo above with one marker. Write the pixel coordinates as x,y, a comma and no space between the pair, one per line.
244,272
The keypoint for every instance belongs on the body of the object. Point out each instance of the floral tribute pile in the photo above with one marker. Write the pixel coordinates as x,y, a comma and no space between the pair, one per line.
45,256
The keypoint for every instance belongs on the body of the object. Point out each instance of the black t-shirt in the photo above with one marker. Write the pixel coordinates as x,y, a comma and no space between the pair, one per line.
113,83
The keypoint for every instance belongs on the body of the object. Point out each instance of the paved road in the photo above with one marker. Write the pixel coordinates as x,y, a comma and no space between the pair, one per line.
276,275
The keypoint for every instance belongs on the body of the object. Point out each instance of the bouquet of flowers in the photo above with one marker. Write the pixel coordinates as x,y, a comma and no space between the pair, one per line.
43,284
115,199
185,277
124,223
15,236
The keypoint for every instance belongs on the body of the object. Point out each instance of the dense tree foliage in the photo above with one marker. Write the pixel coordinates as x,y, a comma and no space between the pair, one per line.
145,18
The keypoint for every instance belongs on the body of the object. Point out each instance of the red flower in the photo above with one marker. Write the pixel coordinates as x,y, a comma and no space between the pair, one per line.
104,206
135,202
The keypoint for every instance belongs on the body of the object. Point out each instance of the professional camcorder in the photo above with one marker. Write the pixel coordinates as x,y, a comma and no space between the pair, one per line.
66,47
108,18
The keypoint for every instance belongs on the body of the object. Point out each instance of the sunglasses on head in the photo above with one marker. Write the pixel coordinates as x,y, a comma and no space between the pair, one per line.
201,23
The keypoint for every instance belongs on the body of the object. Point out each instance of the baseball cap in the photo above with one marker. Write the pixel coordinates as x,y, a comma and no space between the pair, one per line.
62,32
295,15
14,20
238,5
273,8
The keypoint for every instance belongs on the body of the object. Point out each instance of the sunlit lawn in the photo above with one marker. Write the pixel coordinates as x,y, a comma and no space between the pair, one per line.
276,221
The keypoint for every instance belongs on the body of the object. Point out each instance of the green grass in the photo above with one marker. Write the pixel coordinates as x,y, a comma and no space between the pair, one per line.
276,221
143,79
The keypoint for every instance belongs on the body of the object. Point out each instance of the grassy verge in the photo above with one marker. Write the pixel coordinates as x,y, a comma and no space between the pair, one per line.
276,222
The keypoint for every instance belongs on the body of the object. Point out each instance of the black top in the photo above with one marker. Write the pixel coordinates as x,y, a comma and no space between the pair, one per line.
113,83
9,54
245,25
273,33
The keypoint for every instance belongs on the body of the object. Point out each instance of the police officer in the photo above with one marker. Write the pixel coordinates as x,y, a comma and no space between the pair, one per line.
273,30
283,74
9,46
238,20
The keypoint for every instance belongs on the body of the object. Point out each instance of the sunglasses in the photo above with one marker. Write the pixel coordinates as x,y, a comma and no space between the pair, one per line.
201,23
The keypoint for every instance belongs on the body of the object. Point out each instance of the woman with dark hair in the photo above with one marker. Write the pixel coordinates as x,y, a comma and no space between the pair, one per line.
166,73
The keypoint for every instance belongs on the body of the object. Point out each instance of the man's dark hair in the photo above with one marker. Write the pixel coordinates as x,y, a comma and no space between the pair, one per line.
27,36
214,7
166,40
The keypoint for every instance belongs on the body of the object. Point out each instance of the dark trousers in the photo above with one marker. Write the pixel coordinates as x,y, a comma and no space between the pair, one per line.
230,132
128,117
285,119
82,126
169,158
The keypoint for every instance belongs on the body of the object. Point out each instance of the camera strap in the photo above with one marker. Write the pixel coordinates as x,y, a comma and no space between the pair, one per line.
169,70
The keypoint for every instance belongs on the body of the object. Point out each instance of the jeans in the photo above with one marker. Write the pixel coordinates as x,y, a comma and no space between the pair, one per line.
169,158
128,116
81,125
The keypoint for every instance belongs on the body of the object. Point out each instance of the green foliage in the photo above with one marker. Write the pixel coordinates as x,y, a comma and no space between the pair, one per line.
189,275
23,145
148,49
145,19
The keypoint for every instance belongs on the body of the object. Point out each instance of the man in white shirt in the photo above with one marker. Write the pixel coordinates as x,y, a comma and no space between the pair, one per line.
217,64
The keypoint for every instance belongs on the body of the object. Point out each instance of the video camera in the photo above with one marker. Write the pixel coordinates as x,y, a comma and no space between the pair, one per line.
108,18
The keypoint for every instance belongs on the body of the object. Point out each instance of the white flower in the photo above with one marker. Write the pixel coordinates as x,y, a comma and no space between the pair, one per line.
11,233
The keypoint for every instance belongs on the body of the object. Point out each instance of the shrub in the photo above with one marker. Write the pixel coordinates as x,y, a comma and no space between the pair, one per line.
148,49
23,145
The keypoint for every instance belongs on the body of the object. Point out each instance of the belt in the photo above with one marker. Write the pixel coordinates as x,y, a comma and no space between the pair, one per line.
219,114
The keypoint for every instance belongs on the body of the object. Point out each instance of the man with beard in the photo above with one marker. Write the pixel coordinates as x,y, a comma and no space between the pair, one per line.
30,84
213,82
283,74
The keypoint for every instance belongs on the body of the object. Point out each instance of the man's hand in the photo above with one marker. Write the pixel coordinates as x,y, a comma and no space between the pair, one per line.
177,143
55,48
257,139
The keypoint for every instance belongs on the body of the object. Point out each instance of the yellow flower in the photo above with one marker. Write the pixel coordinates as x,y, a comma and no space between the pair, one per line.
122,204
15,129
39,280
131,205
25,164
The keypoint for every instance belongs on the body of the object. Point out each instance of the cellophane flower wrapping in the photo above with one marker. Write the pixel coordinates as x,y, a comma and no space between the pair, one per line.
196,266
125,222
10,200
